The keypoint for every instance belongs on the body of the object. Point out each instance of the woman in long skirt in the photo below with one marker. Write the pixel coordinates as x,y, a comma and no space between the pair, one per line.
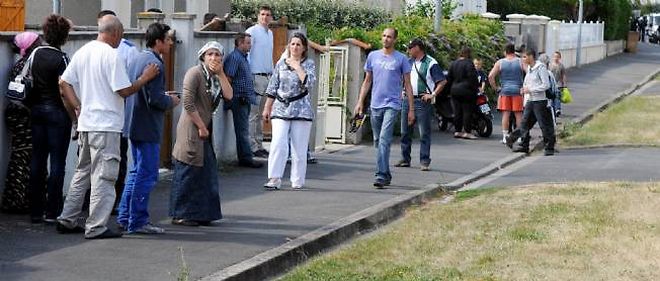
195,198
17,119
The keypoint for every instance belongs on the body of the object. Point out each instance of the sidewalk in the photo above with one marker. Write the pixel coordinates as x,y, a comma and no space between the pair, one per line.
256,220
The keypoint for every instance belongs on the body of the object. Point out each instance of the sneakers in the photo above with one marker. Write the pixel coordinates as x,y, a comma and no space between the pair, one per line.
149,229
549,152
273,184
63,229
381,183
508,140
469,136
107,234
402,163
261,153
184,222
425,167
297,187
521,149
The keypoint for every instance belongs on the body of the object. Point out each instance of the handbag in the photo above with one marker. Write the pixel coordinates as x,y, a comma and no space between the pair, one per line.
20,88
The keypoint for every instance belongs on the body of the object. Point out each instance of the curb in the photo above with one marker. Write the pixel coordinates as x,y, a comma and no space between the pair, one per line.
280,260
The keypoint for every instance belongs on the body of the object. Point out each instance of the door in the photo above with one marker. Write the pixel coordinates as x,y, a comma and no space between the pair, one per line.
12,13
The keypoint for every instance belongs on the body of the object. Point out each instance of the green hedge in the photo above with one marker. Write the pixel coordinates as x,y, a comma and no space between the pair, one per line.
322,13
615,13
485,37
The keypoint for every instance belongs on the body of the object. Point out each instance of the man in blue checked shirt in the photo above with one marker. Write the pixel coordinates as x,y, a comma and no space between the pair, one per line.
238,71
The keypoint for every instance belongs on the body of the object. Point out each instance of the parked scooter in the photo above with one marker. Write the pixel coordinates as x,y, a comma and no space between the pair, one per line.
482,119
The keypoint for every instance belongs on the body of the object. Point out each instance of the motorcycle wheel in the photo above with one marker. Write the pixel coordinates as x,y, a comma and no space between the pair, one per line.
484,126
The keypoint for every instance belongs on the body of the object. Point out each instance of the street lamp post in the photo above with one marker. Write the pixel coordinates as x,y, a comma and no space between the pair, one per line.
438,16
578,54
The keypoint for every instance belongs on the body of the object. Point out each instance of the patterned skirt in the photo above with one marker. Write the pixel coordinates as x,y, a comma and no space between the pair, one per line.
14,197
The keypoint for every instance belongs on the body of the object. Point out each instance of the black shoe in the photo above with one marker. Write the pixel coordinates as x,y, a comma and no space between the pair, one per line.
549,152
508,140
185,222
312,160
379,183
107,234
402,163
521,149
261,153
36,220
253,164
62,229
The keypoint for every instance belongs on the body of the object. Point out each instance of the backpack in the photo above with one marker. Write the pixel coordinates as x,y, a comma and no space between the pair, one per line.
551,92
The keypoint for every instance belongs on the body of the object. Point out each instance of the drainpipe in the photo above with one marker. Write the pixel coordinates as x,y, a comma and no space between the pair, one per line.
57,7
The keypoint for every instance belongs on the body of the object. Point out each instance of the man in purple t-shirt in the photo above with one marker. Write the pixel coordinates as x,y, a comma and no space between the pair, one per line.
389,70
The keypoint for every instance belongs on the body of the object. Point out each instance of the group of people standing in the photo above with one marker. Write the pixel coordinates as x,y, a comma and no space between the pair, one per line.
111,94
399,91
522,94
38,125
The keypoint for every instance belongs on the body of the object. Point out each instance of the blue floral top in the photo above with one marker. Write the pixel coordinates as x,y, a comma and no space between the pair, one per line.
286,84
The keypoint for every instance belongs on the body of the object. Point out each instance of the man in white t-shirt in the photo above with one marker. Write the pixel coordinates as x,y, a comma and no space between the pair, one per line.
100,75
261,64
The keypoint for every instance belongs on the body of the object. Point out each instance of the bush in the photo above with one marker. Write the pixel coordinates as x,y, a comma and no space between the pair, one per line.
322,13
615,13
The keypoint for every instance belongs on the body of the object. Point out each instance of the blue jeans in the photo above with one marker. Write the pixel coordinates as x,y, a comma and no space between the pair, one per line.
51,128
141,180
240,109
423,115
382,126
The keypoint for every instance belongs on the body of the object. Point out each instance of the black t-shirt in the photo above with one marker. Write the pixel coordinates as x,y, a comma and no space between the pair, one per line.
47,67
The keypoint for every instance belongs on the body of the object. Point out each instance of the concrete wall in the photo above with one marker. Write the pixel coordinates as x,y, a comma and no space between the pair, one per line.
77,11
589,55
615,47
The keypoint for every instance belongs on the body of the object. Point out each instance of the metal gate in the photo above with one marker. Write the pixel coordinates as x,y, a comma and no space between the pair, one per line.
333,91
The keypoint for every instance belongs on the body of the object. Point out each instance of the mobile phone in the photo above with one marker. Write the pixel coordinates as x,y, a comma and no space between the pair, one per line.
178,94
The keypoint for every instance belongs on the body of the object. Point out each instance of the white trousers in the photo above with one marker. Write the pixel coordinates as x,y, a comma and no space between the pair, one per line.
284,131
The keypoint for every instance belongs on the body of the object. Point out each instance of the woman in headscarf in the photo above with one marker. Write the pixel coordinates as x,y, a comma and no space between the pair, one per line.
17,118
51,125
195,198
289,110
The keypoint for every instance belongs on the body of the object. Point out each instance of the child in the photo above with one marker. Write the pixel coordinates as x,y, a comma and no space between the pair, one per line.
481,75
559,72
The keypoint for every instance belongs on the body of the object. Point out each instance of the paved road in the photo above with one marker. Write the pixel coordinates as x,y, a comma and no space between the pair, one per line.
257,220
602,164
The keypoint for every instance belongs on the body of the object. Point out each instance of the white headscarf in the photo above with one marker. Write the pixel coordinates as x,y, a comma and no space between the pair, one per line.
210,45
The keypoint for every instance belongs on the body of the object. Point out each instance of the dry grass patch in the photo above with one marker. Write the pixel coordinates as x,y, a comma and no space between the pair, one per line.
581,231
635,120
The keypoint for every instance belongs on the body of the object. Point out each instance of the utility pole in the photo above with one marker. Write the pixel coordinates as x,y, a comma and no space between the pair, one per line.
578,54
438,16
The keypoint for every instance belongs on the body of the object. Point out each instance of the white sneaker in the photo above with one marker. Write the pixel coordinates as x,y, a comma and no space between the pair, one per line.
149,229
273,183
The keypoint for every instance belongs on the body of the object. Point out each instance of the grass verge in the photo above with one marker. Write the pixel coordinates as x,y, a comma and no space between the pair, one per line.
581,231
635,120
